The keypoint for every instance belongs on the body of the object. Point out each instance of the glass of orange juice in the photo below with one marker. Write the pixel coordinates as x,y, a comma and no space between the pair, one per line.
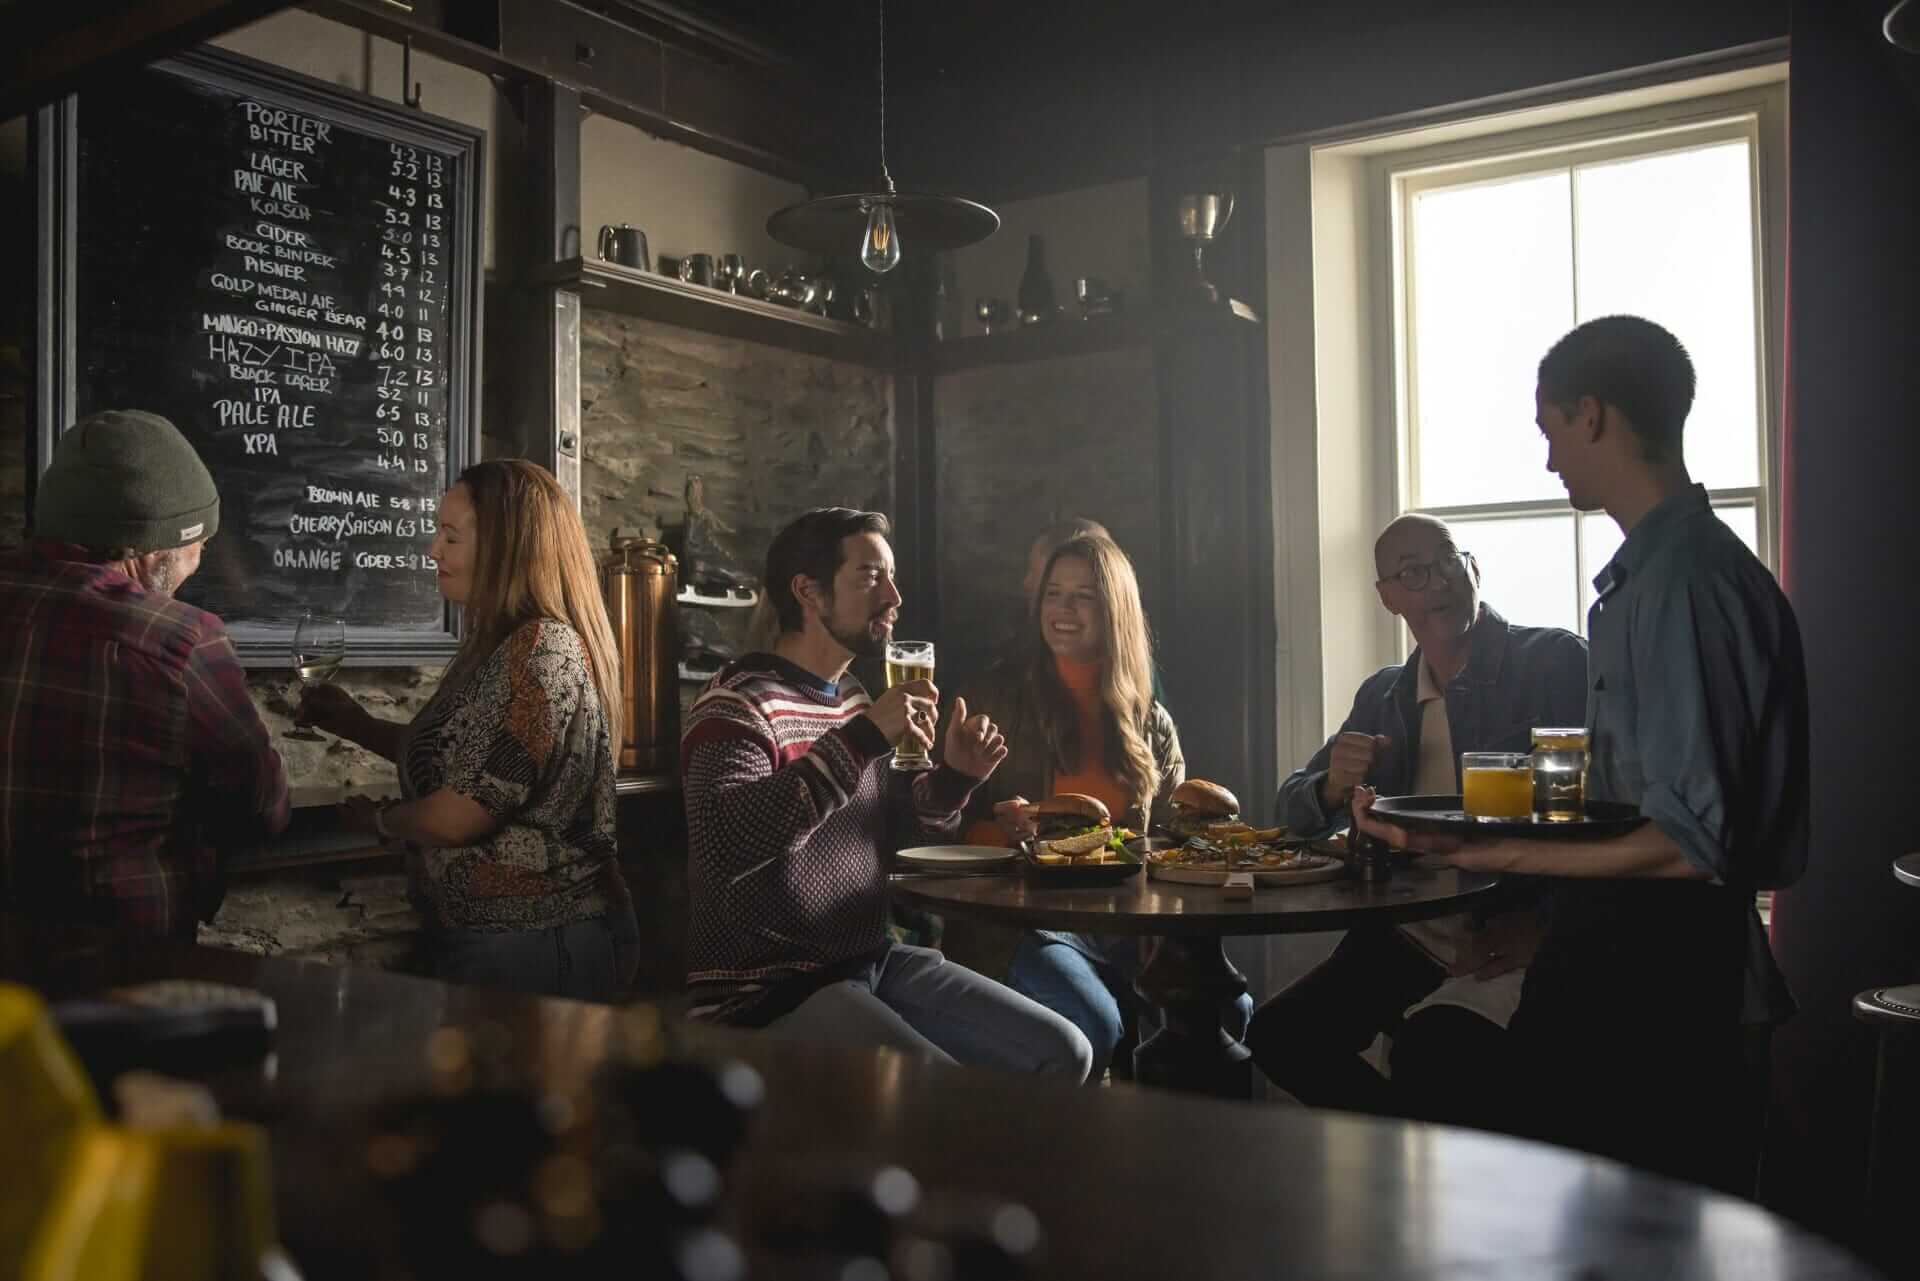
1496,785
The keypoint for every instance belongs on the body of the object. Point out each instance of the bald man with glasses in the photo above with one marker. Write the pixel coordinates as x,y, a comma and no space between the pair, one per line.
1474,683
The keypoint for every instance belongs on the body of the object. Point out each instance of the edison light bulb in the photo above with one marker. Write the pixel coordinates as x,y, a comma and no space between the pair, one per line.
880,247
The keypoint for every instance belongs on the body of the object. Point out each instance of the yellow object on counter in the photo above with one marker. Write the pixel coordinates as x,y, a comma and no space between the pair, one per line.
49,1104
89,1201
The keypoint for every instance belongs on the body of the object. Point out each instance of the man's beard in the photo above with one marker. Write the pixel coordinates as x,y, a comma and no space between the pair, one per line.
860,641
164,578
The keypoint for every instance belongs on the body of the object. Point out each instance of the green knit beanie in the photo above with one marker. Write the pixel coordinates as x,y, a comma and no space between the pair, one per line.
124,478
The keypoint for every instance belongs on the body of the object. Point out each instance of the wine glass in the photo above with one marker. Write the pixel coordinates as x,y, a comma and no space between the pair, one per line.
319,647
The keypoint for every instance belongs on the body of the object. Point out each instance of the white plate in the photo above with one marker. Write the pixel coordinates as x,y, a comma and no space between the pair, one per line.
954,857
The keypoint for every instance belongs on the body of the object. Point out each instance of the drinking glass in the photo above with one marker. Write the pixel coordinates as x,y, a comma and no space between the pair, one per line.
909,661
319,647
1560,774
1496,785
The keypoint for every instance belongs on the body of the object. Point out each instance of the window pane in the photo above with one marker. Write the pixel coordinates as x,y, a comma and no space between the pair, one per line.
1526,566
1491,286
1670,237
1600,539
1744,520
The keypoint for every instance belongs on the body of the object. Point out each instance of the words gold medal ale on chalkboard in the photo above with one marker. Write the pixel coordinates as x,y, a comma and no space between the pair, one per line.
288,272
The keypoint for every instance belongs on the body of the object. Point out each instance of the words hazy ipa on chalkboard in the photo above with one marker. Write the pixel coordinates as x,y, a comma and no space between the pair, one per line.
289,284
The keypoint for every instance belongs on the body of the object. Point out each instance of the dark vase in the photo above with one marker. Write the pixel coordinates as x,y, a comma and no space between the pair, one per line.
1036,286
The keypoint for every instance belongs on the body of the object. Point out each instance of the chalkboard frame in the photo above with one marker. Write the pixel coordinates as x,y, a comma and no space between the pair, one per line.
56,136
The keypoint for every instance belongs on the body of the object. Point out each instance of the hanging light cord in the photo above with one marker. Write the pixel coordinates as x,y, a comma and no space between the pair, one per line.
884,175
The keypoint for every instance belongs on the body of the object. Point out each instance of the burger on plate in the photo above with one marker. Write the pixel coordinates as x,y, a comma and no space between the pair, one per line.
1070,825
1198,805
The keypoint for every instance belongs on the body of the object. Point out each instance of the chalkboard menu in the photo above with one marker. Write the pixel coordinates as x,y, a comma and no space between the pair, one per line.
288,272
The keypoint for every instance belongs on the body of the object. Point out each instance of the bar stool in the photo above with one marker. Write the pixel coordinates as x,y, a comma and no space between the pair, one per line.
1894,1140
1906,869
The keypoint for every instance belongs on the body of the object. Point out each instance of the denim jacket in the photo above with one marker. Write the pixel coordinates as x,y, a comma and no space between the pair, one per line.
1515,678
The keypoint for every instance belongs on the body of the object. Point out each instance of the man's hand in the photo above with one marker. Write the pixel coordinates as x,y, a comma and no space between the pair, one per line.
1015,818
905,714
1393,834
975,745
1506,943
1352,760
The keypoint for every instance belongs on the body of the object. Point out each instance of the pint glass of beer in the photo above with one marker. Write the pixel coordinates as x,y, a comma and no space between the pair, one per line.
909,661
1560,775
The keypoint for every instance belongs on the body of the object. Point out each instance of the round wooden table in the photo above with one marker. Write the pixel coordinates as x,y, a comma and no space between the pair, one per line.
1189,978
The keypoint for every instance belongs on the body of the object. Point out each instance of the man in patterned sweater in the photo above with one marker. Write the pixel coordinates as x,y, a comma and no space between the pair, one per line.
793,816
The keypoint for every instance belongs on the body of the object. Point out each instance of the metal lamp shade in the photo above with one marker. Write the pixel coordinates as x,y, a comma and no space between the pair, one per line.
835,224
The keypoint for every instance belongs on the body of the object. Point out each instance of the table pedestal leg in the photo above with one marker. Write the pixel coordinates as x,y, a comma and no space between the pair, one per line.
1191,980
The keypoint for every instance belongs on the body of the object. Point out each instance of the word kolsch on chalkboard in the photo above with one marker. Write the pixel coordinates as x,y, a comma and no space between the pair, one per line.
296,291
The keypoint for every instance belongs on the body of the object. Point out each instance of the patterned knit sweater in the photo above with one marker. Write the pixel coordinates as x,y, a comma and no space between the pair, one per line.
792,819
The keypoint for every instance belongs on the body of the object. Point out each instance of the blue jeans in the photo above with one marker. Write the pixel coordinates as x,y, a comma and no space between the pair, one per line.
1095,996
915,999
591,960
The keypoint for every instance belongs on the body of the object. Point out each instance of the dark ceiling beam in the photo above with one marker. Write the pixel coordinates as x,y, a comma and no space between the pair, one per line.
729,98
50,50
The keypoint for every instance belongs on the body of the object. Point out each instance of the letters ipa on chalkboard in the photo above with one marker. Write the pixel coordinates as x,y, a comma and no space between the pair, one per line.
289,273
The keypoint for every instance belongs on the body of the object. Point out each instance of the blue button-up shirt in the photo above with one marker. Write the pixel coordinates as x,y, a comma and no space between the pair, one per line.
1698,713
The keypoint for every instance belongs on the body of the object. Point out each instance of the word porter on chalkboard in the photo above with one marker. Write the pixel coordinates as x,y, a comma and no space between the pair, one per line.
289,272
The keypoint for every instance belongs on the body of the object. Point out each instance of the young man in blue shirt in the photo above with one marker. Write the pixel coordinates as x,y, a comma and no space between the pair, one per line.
1638,1023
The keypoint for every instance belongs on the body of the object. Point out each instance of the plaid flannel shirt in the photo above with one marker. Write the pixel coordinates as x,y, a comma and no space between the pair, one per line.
130,752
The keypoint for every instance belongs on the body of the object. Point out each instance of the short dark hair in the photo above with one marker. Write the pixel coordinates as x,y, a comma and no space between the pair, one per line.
1632,364
810,545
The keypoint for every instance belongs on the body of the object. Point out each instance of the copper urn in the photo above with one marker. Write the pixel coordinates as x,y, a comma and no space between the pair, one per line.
640,577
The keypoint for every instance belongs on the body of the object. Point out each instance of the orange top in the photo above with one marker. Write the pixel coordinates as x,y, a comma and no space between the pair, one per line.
1091,777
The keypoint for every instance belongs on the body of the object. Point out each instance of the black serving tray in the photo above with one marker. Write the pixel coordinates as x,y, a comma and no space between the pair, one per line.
1443,814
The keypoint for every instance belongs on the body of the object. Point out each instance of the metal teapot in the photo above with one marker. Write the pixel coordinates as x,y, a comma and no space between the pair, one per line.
626,245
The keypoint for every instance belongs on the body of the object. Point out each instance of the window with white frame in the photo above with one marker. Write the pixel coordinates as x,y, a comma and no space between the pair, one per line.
1497,255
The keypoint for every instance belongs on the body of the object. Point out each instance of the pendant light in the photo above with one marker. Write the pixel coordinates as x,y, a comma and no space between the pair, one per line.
882,222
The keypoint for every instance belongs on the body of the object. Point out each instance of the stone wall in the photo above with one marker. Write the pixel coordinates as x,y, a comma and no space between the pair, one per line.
773,432
1018,446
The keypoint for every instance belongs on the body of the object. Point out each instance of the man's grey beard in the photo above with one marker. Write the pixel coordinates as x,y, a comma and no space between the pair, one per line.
164,578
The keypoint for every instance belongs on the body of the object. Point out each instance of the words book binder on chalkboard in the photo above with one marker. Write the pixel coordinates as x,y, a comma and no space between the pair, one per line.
290,273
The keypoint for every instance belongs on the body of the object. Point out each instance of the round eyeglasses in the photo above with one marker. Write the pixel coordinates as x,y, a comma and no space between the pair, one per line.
1416,577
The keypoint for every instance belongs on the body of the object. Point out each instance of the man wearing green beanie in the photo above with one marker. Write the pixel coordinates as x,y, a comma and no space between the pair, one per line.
131,756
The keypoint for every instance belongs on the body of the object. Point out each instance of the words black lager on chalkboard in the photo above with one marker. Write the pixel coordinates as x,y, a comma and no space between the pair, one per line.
290,273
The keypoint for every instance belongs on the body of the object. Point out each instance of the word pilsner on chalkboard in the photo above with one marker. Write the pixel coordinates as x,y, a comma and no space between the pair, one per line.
288,273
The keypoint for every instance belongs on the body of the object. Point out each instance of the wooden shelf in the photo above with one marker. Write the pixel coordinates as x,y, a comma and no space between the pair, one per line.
606,286
688,596
1068,335
1065,335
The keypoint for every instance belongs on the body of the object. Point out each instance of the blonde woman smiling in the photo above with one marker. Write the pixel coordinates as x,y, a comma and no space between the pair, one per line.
1079,715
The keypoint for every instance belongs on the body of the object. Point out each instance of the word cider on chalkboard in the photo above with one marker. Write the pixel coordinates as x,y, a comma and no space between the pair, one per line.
289,273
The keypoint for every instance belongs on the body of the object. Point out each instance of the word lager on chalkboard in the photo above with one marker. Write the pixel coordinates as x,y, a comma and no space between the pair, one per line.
288,278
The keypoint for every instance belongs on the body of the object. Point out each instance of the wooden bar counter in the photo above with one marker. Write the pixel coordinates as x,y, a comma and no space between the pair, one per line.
1124,1182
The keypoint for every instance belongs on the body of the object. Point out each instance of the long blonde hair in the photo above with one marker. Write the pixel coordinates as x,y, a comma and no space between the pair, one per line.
531,560
1126,672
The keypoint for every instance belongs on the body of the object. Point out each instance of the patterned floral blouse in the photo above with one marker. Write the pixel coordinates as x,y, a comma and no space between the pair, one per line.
524,735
